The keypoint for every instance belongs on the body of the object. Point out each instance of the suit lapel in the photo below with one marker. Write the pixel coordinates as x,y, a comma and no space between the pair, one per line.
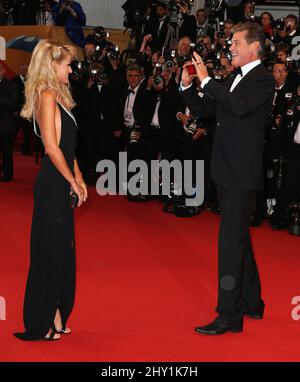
246,78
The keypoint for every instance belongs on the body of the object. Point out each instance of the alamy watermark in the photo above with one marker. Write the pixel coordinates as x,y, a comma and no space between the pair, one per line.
153,181
2,309
296,311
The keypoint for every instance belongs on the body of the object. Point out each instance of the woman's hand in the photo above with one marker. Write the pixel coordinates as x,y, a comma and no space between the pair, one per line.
81,183
79,191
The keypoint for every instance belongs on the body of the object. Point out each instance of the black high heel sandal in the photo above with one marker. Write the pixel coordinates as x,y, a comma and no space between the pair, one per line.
51,336
62,331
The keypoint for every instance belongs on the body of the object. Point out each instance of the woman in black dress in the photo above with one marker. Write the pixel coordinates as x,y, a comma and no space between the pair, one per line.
50,289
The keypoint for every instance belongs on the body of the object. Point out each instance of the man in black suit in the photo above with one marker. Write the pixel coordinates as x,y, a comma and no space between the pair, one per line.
160,28
242,103
8,103
26,125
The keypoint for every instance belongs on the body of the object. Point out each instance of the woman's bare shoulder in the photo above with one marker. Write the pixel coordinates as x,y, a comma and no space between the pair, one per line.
48,96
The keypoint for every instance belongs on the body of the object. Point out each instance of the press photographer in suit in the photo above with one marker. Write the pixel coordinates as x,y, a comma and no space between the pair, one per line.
243,103
8,104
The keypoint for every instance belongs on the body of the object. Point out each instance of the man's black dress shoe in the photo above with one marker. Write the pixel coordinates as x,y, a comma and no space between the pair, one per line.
219,327
182,211
256,315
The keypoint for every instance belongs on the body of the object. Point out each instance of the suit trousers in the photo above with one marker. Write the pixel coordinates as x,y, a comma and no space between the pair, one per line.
239,287
6,154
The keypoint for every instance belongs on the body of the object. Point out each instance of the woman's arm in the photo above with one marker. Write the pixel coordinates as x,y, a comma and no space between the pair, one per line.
79,179
49,138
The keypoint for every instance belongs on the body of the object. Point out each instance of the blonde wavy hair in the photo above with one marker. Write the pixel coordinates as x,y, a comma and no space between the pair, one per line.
41,76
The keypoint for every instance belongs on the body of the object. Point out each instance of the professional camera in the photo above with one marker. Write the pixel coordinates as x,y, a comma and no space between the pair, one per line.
113,52
134,13
98,76
218,67
169,56
292,64
157,70
279,24
199,48
221,32
100,33
294,219
134,133
191,126
78,69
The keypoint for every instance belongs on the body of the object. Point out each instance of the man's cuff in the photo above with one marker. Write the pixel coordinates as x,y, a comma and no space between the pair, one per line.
205,81
183,88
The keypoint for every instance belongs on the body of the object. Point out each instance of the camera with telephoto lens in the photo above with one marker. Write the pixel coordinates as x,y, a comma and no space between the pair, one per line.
134,133
294,219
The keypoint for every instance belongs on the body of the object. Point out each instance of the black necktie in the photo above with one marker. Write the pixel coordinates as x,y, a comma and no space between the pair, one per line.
130,92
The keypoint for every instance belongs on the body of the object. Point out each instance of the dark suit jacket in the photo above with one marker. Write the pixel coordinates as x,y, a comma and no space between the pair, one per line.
237,157
8,104
138,107
189,27
21,87
170,105
103,103
159,36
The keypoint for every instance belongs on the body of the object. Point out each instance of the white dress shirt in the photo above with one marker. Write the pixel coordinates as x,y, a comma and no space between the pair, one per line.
128,110
245,70
155,119
297,135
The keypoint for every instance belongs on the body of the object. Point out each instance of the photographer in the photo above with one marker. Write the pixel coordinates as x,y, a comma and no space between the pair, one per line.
70,14
242,103
129,133
103,106
291,29
162,103
267,22
203,27
8,104
24,12
291,184
187,23
44,15
161,27
98,38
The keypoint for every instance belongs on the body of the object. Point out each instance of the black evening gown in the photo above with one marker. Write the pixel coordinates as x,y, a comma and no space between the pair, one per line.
51,278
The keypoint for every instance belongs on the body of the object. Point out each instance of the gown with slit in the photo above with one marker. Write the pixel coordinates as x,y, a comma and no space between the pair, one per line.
51,279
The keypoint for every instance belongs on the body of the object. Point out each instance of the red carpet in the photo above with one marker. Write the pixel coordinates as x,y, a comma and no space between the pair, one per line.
144,280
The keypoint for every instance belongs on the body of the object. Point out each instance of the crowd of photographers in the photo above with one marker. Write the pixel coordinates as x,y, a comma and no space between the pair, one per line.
131,102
